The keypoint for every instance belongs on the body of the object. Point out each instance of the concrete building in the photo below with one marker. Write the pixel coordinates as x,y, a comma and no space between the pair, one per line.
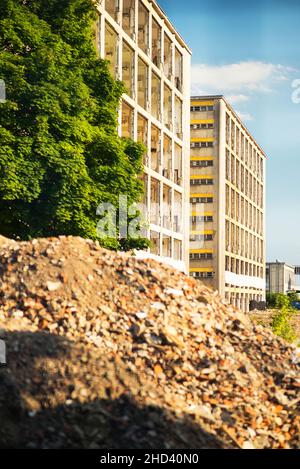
151,58
227,237
280,277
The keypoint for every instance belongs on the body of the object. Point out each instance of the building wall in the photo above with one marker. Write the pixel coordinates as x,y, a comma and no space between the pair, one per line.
149,56
237,269
280,277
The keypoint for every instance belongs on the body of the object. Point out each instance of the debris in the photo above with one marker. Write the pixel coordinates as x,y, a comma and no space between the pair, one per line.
53,286
128,353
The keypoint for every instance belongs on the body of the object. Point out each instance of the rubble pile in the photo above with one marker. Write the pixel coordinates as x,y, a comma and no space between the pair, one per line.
107,351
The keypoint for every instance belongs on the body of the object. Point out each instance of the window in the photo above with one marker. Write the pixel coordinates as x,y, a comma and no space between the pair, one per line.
202,144
201,108
178,69
155,97
178,165
167,57
129,17
177,250
202,274
167,166
154,201
155,244
201,237
127,120
202,181
142,83
155,148
128,68
112,7
167,107
201,163
202,218
143,24
201,200
156,43
202,126
167,207
142,134
178,117
201,256
111,39
166,246
177,212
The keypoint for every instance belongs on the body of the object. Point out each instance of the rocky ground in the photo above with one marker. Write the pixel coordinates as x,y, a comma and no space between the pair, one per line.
106,351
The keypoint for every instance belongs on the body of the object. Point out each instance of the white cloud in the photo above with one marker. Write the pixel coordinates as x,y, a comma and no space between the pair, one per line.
245,116
238,78
237,98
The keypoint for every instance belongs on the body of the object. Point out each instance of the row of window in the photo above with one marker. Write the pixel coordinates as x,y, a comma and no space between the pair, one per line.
202,218
201,200
237,266
242,178
239,142
201,163
244,212
202,182
240,242
157,98
201,126
201,237
202,274
161,49
201,256
202,144
201,108
162,158
163,245
165,207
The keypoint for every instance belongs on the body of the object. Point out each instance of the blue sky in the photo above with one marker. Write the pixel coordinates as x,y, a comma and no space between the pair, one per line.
250,52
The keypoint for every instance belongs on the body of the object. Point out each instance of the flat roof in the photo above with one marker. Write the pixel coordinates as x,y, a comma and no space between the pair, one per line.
163,15
280,263
221,96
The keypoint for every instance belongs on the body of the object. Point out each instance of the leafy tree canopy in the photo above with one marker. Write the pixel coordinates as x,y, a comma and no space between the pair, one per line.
60,155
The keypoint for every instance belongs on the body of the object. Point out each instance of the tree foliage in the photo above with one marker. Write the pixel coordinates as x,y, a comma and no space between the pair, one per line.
60,155
282,319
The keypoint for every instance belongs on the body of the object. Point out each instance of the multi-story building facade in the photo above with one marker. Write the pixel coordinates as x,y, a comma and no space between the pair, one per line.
280,277
150,57
227,238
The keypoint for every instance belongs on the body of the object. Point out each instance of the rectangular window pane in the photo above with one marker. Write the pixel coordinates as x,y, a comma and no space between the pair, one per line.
167,167
155,96
143,26
155,148
111,6
178,69
111,39
156,43
128,17
128,68
142,83
167,57
127,121
167,107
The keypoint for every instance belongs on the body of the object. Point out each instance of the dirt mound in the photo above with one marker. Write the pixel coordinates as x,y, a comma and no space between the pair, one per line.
107,351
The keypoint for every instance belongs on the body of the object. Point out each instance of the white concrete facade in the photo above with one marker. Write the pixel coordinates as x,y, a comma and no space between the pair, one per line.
150,57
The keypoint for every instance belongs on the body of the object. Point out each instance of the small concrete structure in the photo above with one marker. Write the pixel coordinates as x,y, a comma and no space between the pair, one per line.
280,277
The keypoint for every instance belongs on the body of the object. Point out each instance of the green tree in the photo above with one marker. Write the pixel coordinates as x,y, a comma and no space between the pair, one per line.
60,155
